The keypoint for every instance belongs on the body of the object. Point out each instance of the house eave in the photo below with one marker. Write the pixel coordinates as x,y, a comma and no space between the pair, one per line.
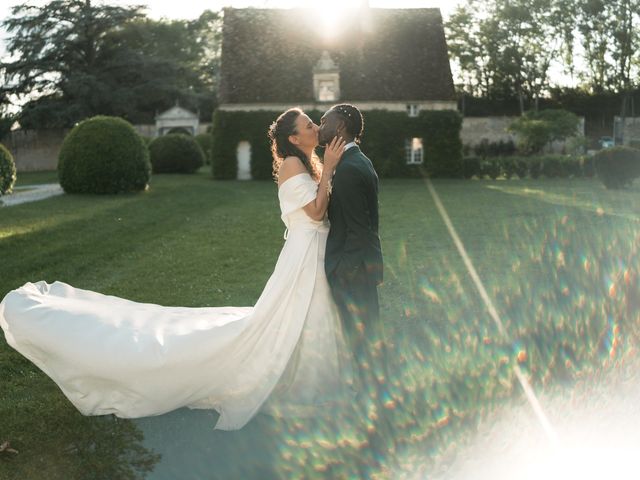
364,106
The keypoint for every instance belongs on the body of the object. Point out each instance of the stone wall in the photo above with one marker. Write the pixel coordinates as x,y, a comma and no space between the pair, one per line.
37,150
627,132
494,129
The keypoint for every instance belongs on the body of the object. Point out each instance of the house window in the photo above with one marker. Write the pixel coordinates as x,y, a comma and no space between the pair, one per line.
413,151
413,109
327,91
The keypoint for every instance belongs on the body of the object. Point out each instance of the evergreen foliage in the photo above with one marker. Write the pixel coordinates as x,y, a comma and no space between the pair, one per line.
103,155
385,134
617,167
175,153
7,171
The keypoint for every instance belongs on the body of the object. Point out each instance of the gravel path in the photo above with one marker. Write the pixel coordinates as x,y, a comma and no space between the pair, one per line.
31,193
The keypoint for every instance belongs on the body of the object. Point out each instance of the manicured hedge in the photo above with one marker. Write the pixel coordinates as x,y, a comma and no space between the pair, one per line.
7,171
617,167
175,153
547,166
103,155
383,142
204,140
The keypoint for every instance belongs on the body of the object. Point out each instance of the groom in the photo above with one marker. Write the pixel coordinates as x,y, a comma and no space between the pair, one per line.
353,258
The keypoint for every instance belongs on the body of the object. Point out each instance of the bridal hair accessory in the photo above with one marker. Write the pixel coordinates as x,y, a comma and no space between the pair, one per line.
343,110
353,117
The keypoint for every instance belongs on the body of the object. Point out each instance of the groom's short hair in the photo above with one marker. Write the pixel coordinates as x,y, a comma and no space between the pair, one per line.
354,123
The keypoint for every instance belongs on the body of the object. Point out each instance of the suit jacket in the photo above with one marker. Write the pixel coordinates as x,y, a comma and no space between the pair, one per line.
353,240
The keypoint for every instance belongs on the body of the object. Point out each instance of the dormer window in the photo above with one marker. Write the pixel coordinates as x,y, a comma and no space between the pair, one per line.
326,79
327,91
413,109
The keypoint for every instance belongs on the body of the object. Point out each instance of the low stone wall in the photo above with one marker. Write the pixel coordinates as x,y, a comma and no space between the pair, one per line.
37,150
627,131
494,129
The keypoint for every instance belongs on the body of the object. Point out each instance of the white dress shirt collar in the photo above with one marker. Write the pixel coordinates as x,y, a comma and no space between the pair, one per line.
349,145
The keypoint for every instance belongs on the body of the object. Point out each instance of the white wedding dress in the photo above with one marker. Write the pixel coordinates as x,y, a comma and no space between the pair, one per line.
113,356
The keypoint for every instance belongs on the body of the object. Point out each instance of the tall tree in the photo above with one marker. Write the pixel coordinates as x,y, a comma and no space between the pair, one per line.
175,60
76,58
56,51
505,47
595,25
508,47
466,41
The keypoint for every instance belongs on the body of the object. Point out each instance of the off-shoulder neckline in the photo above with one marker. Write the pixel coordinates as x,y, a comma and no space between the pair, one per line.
294,176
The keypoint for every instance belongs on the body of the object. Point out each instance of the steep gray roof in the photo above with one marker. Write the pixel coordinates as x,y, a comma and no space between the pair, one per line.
268,56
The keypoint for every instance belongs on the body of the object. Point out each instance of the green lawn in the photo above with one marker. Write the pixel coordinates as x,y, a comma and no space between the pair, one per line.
559,258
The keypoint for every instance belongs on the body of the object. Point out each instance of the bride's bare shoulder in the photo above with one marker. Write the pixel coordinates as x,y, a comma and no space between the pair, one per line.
290,166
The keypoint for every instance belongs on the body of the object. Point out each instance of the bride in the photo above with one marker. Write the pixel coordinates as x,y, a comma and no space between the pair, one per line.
109,355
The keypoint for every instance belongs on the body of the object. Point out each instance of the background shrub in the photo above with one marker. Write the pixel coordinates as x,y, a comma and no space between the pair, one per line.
491,168
573,166
535,167
103,155
205,140
508,167
7,171
551,166
471,167
494,149
617,167
175,153
535,129
554,166
588,166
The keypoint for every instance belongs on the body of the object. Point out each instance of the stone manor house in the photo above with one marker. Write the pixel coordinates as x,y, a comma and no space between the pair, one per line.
394,60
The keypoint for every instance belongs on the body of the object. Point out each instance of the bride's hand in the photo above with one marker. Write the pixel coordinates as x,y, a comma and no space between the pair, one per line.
332,153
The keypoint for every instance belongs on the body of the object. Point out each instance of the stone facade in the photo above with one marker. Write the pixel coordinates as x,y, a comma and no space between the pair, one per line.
627,132
35,150
494,129
178,118
322,106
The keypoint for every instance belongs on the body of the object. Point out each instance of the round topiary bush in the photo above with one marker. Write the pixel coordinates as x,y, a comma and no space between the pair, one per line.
103,155
205,140
175,153
470,167
7,171
617,167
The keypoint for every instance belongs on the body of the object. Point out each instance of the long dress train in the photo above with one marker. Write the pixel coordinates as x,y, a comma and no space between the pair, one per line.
110,355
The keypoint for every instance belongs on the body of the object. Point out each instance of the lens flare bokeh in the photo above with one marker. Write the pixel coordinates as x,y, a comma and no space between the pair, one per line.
439,390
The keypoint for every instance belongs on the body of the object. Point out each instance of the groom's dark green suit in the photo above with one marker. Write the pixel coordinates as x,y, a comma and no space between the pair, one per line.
353,258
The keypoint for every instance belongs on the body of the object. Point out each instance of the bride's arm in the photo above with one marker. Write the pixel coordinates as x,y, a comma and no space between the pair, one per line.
317,208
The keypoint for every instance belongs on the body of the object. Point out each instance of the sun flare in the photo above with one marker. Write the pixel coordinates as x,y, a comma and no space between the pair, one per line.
332,13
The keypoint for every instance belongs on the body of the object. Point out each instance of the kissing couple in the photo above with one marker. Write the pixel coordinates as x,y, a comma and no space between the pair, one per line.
292,351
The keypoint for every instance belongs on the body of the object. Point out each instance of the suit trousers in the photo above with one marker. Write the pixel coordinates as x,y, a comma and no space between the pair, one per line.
357,300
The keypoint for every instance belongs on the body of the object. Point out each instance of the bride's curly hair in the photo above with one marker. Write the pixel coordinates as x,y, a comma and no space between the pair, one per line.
282,148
